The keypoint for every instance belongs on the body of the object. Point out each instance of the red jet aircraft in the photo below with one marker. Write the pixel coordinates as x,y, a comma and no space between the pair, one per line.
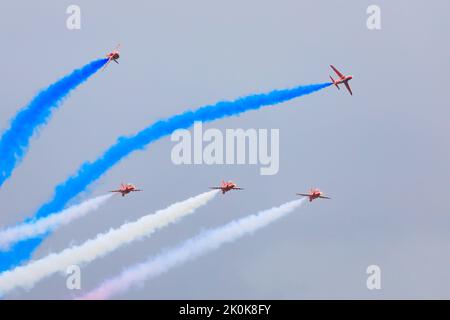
342,79
313,194
227,186
113,56
126,189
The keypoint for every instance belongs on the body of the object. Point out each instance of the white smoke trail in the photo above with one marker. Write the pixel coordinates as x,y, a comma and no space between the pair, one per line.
31,229
190,249
26,276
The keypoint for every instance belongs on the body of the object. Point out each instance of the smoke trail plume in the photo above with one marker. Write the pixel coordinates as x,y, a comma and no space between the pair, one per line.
91,171
26,276
41,226
15,140
190,249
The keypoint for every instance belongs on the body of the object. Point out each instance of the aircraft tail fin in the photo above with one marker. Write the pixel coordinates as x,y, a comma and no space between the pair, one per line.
334,82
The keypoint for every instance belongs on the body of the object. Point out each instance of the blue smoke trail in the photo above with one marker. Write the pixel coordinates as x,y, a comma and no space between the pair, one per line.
91,171
15,140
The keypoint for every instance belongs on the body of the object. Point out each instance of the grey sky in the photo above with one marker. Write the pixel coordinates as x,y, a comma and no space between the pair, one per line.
382,154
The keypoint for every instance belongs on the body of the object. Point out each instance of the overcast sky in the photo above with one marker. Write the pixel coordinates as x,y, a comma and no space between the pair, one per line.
381,154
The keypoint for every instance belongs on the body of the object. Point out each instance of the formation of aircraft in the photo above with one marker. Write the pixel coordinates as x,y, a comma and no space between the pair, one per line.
126,189
313,194
113,56
227,186
342,79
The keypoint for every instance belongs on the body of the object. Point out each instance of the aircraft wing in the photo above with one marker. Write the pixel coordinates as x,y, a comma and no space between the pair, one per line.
323,197
216,188
138,190
348,87
303,194
238,188
106,64
337,71
115,191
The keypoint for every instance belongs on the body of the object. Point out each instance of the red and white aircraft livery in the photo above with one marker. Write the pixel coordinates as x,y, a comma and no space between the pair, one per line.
342,79
113,56
126,189
313,194
227,186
